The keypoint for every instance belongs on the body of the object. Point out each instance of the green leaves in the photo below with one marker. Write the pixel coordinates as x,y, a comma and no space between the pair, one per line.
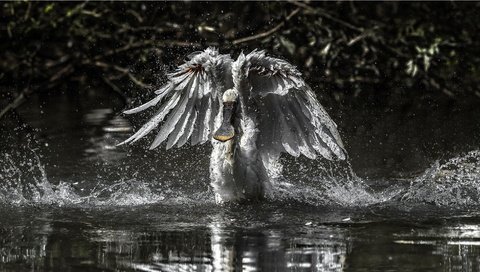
348,48
424,56
49,8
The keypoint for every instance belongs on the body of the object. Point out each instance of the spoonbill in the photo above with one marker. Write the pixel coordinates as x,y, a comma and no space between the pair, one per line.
251,110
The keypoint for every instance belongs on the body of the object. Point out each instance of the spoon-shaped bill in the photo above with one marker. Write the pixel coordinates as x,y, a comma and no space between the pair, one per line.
226,131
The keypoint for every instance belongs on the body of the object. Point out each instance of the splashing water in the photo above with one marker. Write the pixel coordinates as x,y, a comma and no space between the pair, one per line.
454,183
27,184
324,187
86,169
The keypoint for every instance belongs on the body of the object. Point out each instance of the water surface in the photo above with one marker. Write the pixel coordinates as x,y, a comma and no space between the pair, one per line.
408,200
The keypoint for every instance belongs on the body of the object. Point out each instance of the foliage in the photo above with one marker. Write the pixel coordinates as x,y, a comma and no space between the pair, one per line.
346,49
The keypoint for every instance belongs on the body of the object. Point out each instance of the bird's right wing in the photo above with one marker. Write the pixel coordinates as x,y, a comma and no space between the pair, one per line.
191,101
290,118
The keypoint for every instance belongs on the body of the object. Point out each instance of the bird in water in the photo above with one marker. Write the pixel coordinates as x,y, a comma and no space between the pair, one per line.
251,110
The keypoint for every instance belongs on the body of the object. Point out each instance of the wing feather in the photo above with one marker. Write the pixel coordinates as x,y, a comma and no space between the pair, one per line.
208,121
155,120
188,129
164,91
291,119
191,97
288,135
181,119
303,128
198,126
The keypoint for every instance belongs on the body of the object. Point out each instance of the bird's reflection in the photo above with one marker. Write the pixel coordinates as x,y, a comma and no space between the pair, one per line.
46,244
63,245
241,249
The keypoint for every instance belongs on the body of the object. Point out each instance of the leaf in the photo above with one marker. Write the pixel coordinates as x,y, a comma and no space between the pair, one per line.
426,62
411,68
48,8
312,40
289,45
325,50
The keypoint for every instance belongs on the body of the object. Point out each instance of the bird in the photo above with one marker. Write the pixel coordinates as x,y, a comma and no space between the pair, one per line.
251,110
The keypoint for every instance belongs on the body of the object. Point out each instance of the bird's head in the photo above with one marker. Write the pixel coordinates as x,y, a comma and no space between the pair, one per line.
226,131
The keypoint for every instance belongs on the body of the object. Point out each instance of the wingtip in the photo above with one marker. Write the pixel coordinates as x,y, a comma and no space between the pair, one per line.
122,143
130,140
153,146
342,156
134,110
128,111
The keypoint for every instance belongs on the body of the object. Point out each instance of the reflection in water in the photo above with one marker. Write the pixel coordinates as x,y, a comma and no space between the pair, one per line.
270,250
103,144
39,242
69,246
459,246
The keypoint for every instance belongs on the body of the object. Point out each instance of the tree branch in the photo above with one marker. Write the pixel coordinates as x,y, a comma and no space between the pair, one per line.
325,14
15,103
122,70
146,43
266,33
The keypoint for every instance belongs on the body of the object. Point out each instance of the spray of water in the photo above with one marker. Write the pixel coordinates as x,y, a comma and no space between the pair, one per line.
26,183
452,183
455,182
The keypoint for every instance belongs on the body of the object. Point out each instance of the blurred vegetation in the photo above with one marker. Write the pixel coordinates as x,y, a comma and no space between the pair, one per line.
379,51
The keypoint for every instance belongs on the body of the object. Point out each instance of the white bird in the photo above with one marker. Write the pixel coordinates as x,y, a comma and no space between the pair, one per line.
252,110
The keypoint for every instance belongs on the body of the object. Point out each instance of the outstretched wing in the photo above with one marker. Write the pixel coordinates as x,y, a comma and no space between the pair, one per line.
190,101
290,117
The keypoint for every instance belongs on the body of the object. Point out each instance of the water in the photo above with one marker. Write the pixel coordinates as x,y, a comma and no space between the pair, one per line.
72,201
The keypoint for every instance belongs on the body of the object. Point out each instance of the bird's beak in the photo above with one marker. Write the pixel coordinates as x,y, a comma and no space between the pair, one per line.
226,131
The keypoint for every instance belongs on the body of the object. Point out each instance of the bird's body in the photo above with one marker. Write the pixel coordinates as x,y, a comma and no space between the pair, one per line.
237,170
254,108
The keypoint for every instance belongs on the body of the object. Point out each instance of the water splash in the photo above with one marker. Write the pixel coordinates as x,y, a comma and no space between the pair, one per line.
323,183
455,183
36,189
27,183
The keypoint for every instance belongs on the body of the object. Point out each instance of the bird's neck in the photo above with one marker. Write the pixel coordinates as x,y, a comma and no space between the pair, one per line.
237,172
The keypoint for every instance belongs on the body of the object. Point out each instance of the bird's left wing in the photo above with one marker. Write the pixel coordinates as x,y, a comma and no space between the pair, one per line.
191,101
291,119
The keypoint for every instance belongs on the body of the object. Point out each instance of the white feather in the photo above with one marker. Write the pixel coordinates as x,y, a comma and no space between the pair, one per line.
277,112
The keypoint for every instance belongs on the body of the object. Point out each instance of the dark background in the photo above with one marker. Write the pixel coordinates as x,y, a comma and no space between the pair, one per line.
400,79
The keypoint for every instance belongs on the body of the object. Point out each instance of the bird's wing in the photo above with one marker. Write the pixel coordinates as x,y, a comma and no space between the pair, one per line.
189,101
290,117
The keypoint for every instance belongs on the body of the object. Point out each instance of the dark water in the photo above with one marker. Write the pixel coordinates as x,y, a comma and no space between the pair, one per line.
71,201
